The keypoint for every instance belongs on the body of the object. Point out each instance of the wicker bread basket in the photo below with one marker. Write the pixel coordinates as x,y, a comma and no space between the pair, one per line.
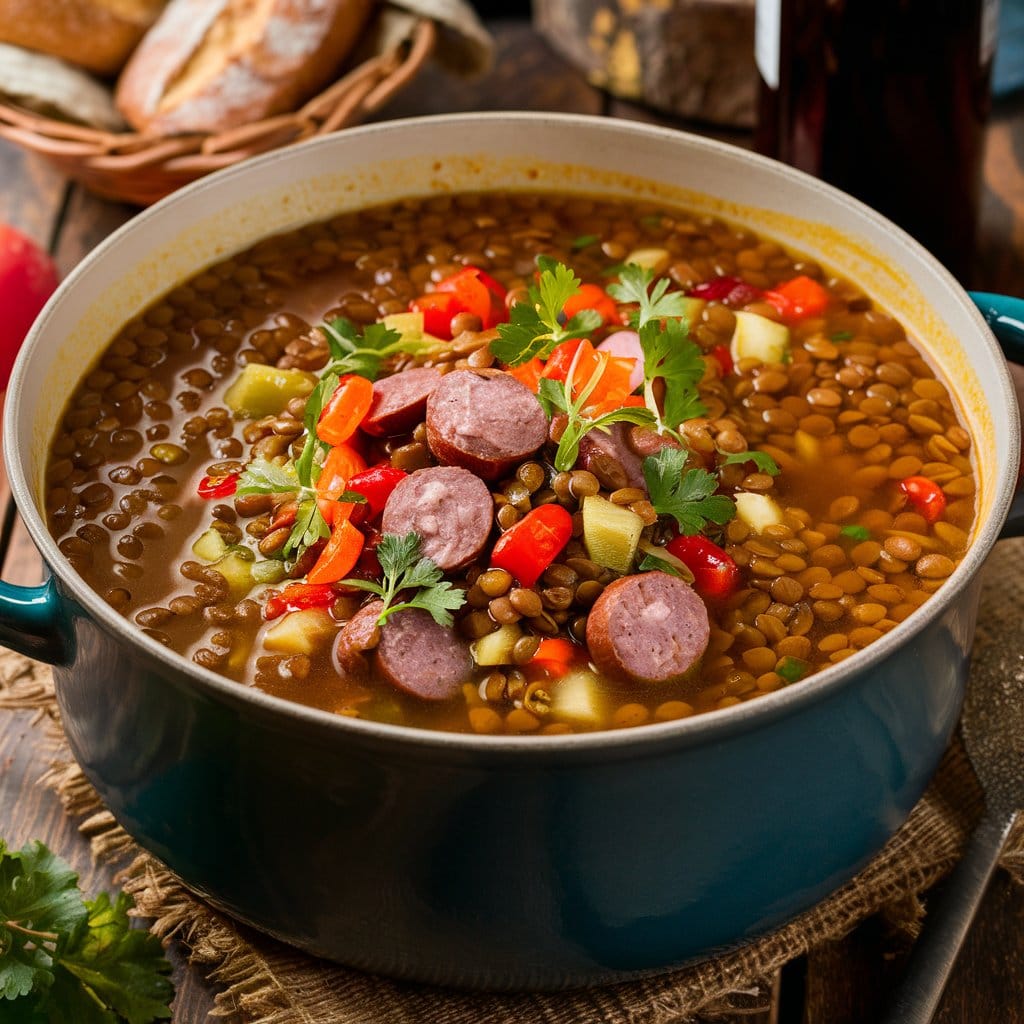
141,169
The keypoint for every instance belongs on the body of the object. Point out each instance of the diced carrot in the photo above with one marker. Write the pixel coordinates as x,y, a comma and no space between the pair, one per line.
345,409
339,556
342,463
798,298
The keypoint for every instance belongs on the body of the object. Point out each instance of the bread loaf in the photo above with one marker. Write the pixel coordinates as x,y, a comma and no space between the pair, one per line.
94,34
210,65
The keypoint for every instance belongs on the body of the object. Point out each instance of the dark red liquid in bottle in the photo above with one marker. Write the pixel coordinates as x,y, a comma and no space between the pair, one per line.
888,100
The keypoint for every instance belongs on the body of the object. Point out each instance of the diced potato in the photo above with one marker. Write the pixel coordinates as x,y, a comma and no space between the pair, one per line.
301,632
757,337
577,697
408,325
758,511
610,533
655,259
237,570
210,546
265,390
496,647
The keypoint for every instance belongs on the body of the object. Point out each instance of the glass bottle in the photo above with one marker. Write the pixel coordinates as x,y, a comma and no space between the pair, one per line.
888,100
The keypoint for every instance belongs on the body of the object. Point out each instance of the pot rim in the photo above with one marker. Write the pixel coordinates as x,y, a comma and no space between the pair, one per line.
695,730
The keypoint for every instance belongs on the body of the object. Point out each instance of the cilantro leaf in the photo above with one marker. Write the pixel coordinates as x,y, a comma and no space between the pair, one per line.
762,460
40,905
655,304
263,477
670,355
535,327
122,968
364,354
688,495
405,569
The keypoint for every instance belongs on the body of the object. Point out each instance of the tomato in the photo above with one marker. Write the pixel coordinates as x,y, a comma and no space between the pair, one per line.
556,655
729,290
715,574
531,545
925,495
437,308
591,296
376,484
798,298
27,279
722,356
469,290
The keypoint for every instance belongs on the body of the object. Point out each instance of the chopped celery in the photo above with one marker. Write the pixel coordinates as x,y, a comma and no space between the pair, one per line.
210,546
610,533
270,570
496,647
265,390
300,632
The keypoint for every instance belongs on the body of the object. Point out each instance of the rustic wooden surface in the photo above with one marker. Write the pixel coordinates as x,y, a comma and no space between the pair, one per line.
844,983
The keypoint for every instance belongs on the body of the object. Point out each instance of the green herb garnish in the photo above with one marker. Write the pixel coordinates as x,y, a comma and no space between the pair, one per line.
404,569
857,533
651,563
762,460
65,958
364,354
842,336
536,328
688,495
792,669
584,240
657,303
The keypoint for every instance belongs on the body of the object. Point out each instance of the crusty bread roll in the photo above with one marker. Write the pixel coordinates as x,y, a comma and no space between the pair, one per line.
94,34
210,65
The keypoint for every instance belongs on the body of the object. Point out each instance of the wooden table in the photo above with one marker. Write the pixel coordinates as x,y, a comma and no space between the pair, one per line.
843,983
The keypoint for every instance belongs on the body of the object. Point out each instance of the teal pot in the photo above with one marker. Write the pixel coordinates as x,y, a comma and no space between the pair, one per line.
534,862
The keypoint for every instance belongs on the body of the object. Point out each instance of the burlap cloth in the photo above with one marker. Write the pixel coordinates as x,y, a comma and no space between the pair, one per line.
269,983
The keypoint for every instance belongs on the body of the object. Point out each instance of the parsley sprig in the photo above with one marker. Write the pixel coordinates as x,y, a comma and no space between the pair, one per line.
688,495
558,396
65,958
762,460
657,303
536,327
405,569
364,354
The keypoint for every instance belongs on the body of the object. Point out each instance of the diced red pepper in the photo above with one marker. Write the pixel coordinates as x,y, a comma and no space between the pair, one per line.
528,373
376,484
478,293
211,487
342,463
555,656
339,556
591,296
715,574
722,356
614,383
437,308
345,409
798,298
925,495
726,289
299,596
531,545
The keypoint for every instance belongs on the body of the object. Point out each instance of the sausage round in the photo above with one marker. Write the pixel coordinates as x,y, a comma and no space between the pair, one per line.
357,637
400,401
485,421
450,509
647,441
648,628
611,458
422,657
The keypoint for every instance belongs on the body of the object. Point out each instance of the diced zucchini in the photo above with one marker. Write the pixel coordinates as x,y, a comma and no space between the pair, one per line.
265,390
650,259
610,533
757,337
237,570
269,570
301,632
758,511
496,647
577,697
408,325
210,546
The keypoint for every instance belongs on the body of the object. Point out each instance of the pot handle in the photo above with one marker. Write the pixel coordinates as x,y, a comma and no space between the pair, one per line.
32,622
1005,315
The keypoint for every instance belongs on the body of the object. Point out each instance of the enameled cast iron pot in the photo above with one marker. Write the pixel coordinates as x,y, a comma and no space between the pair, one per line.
490,861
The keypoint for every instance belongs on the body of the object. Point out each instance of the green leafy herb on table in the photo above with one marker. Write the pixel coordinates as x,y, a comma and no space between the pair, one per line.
67,959
405,569
688,495
558,396
535,328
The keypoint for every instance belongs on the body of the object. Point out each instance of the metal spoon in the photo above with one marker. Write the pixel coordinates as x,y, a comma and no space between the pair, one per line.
993,731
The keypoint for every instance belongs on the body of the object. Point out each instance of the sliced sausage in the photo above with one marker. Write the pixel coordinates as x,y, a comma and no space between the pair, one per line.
450,509
357,637
485,421
648,628
421,657
400,401
611,459
647,441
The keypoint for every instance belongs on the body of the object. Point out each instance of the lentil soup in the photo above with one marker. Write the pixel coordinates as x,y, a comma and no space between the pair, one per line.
519,463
